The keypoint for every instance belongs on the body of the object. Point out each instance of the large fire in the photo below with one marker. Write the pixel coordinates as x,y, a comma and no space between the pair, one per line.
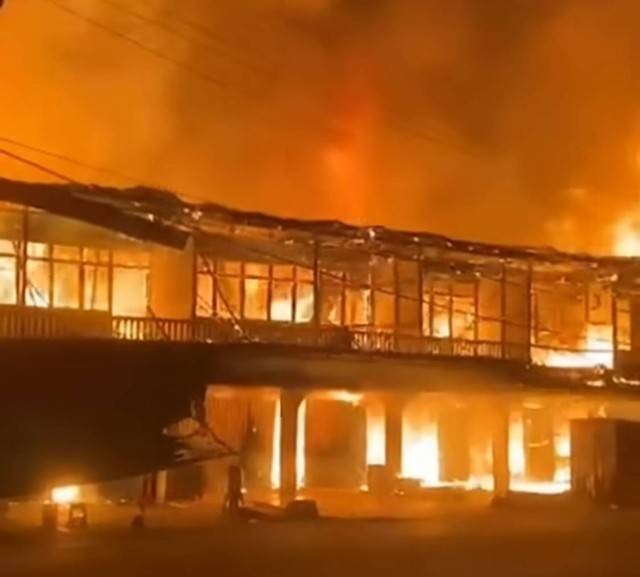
627,237
421,454
376,434
518,459
420,449
65,495
596,350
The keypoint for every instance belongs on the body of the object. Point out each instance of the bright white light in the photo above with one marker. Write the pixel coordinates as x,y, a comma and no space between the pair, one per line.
65,495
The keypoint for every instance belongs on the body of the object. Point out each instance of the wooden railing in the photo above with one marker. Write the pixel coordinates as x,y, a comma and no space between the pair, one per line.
33,323
22,322
306,335
175,330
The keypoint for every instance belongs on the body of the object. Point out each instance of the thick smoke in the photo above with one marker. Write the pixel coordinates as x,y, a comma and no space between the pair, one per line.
509,120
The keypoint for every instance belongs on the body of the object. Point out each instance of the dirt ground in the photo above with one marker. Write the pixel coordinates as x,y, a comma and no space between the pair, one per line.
195,540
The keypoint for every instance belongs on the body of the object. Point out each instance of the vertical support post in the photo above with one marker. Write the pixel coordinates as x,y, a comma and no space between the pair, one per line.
215,286
242,290
289,404
269,290
529,287
431,303
81,279
420,297
51,274
372,293
194,284
500,452
22,298
396,304
317,293
534,317
476,315
614,324
450,313
344,279
294,295
161,487
110,283
503,310
586,304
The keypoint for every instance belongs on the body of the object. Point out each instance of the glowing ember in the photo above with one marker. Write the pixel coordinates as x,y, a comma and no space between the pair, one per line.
65,495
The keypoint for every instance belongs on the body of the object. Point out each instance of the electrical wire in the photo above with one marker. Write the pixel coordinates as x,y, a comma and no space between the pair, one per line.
323,272
173,31
21,159
70,160
82,164
205,76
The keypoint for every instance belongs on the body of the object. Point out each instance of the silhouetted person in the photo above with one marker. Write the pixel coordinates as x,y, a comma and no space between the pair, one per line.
234,497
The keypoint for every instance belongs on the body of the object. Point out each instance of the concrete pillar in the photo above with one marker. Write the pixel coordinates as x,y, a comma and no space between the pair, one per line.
500,450
394,408
289,405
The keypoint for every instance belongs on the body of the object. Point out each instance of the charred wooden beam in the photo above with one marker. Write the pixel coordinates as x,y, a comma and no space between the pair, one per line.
65,201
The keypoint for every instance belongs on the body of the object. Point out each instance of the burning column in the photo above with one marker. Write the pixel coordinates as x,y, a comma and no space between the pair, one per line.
394,410
290,402
501,457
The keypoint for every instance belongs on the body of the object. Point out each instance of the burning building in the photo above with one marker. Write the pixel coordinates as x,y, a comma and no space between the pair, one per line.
332,356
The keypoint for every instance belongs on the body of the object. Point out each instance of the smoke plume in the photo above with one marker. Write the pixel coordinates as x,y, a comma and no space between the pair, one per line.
512,120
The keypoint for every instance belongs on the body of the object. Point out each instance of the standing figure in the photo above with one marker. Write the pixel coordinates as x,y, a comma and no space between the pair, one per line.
234,498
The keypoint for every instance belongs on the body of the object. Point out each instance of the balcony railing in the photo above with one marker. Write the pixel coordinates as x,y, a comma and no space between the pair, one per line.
35,323
329,338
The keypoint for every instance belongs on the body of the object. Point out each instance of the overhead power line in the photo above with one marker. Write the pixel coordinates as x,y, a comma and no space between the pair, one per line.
205,76
22,160
157,23
165,26
70,160
194,26
83,164
409,132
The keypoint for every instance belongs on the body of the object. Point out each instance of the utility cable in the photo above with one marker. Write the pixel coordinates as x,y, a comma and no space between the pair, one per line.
218,82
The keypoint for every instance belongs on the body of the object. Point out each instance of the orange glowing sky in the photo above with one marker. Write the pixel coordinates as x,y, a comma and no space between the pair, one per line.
505,121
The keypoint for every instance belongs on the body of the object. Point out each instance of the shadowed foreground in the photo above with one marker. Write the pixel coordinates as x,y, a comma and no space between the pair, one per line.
484,543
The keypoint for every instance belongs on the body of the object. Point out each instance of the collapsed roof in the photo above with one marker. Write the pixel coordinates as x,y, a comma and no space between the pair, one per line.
162,217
